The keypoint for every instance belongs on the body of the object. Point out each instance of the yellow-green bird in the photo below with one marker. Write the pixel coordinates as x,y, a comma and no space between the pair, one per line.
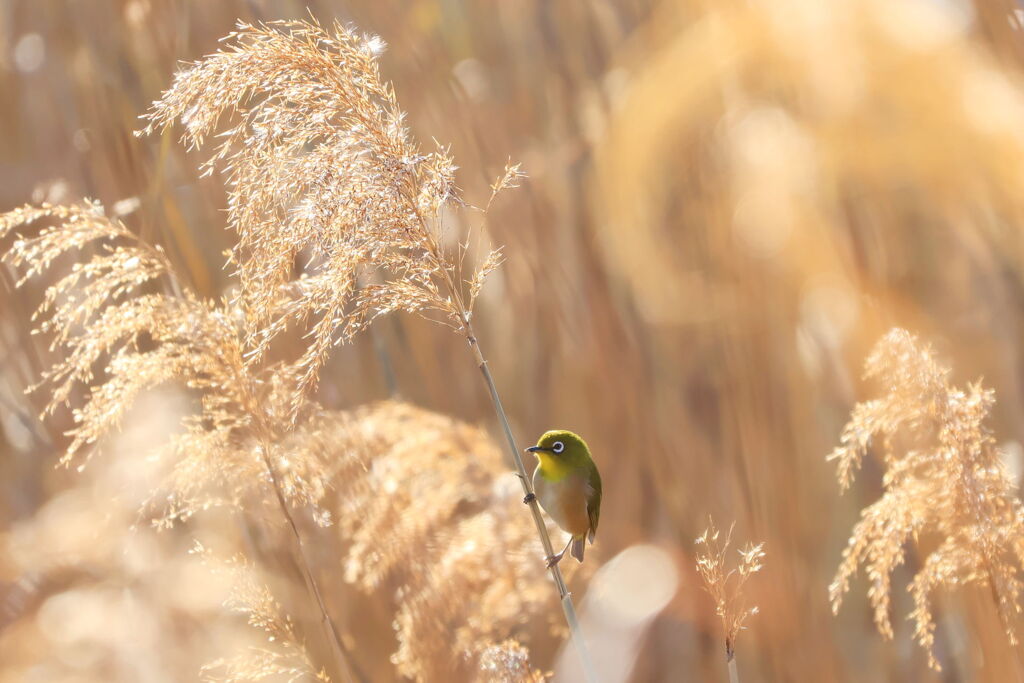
568,487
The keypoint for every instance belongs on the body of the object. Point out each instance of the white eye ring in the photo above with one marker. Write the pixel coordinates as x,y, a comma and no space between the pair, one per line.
558,447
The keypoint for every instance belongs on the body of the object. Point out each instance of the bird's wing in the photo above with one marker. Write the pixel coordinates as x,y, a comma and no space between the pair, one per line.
593,499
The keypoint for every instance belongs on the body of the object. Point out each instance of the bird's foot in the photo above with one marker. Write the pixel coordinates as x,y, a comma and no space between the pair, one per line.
553,559
529,498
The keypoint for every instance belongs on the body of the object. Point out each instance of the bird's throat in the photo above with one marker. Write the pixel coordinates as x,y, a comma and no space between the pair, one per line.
552,468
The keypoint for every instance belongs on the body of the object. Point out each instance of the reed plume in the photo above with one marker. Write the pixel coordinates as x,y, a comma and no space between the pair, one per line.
725,585
323,177
99,312
944,478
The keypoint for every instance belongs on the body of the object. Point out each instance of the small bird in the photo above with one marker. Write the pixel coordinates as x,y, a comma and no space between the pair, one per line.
568,487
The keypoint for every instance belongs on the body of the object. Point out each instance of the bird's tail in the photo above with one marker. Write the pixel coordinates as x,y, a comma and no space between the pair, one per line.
577,546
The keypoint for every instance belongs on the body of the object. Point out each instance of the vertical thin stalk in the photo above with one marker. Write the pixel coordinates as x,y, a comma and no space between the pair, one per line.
1007,628
576,633
730,660
331,632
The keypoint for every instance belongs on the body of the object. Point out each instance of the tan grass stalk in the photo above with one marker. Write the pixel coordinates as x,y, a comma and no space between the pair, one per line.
305,567
579,642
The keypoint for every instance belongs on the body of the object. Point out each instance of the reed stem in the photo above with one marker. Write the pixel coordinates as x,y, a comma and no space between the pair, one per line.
730,659
576,633
331,632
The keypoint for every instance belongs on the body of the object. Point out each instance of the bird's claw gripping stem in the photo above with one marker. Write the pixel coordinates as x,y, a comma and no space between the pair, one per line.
529,498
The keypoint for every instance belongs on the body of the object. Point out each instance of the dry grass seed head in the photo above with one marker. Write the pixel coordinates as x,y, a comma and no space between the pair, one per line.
944,477
321,171
725,584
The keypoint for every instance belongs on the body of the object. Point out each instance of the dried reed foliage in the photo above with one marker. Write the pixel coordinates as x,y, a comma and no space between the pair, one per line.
324,177
817,168
321,171
944,478
428,511
724,584
789,95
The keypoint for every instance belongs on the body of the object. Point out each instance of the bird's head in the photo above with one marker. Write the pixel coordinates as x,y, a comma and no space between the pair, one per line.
561,448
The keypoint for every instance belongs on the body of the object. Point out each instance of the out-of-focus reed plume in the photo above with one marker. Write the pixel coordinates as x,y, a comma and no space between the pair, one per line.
944,479
816,173
427,511
284,657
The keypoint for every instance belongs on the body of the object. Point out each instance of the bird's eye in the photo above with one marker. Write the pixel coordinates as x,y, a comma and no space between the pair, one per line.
558,447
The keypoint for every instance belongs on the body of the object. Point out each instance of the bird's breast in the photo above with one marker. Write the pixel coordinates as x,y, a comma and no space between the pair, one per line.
564,500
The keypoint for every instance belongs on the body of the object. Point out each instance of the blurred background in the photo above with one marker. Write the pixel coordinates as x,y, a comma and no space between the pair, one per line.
728,203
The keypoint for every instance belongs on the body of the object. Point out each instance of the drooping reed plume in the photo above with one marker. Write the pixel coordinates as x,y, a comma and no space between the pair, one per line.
944,478
99,313
323,176
113,340
725,584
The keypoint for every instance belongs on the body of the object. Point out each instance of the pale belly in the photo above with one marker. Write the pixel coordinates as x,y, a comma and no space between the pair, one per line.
565,502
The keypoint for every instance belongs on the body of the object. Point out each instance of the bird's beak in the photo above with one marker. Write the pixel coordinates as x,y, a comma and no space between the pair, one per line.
536,449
